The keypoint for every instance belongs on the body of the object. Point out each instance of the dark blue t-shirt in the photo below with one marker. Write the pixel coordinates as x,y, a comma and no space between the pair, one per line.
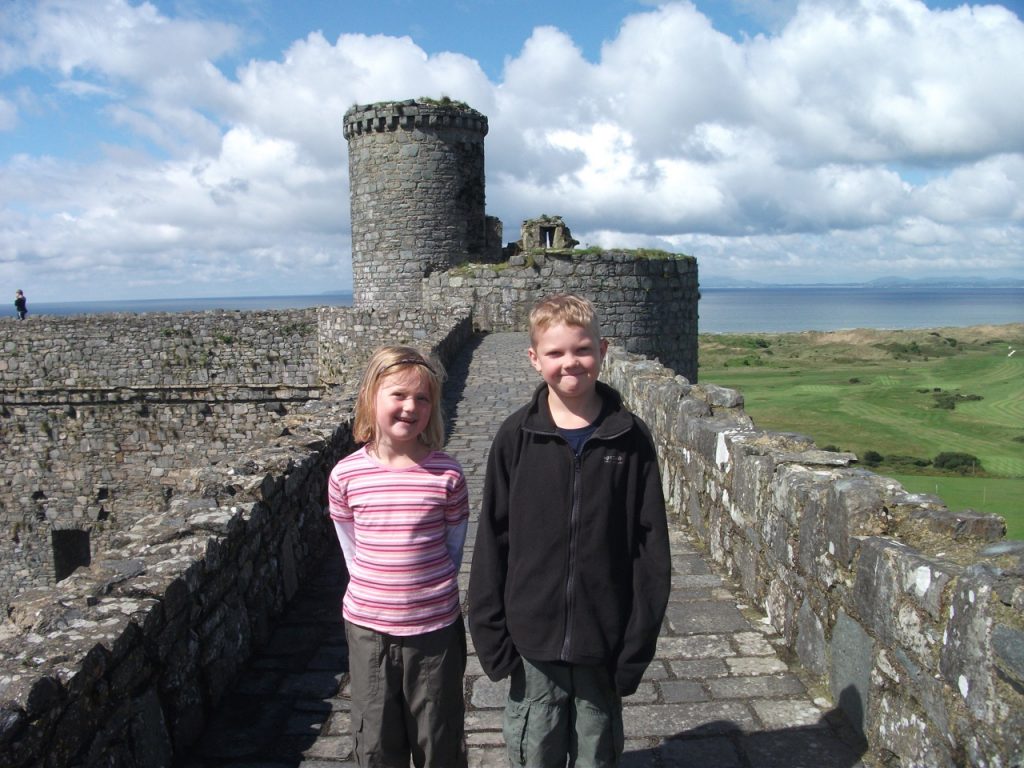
577,437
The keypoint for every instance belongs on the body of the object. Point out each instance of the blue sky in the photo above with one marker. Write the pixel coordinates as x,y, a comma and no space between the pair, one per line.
190,148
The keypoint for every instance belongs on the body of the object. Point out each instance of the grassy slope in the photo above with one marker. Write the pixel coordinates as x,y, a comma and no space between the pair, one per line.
877,390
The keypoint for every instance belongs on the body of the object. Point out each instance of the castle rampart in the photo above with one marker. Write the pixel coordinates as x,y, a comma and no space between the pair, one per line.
647,302
121,662
160,350
104,419
193,450
911,617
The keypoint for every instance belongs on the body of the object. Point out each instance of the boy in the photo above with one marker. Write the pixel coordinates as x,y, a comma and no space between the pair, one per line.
571,566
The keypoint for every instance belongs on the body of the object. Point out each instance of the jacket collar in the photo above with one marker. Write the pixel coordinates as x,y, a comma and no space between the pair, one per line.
616,418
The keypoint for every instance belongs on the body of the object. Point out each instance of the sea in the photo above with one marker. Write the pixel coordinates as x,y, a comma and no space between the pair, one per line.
775,309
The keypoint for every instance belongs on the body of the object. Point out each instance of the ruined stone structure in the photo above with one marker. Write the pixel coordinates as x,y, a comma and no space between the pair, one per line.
420,238
416,179
544,233
647,304
172,469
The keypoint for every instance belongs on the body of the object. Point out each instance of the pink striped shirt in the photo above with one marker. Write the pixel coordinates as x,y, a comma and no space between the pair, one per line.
402,532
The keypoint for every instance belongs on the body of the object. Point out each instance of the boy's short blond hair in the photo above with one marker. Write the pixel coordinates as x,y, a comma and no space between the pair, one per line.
563,309
398,359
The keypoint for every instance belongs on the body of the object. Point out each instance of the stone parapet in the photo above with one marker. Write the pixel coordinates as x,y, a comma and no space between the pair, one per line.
647,305
122,661
124,350
85,462
349,337
911,616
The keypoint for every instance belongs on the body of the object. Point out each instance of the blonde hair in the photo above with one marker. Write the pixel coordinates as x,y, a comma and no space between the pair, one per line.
385,362
563,309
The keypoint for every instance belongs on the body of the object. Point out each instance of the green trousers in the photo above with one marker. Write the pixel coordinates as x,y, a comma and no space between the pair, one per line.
561,714
407,699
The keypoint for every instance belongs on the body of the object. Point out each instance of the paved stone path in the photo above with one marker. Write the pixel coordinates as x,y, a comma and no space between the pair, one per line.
720,693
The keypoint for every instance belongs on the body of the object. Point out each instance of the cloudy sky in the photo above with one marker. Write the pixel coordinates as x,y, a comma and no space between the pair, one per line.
187,148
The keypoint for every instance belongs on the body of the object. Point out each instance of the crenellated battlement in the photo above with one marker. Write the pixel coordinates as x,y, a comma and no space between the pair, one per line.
412,115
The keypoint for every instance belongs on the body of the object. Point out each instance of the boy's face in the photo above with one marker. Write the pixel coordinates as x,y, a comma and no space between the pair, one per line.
568,357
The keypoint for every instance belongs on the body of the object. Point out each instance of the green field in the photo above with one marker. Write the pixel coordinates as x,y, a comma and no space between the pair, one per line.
899,397
1000,495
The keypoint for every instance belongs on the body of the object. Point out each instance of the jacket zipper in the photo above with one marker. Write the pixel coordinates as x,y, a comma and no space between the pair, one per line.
574,511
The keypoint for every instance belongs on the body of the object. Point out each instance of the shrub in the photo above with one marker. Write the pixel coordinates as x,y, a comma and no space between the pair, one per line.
872,458
948,400
957,462
899,460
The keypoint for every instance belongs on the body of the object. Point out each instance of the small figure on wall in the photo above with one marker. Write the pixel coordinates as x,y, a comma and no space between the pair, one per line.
20,304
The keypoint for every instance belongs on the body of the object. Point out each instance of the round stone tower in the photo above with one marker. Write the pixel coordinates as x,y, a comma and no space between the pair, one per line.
416,178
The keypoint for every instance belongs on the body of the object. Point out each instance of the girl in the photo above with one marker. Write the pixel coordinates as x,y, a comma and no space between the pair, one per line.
401,508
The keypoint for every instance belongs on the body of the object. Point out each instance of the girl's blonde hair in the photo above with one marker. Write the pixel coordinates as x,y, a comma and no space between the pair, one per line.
385,362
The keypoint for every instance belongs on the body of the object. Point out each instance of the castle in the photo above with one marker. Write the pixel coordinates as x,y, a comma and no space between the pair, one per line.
421,238
165,475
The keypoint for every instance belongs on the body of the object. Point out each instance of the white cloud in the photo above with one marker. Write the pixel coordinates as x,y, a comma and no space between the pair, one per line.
770,157
8,115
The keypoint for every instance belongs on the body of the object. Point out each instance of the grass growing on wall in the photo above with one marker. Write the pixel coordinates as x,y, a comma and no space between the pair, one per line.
897,399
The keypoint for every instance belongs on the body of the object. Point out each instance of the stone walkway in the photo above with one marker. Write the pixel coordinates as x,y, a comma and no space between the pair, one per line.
720,694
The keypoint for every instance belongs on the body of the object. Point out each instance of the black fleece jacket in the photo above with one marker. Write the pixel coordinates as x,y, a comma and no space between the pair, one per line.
571,560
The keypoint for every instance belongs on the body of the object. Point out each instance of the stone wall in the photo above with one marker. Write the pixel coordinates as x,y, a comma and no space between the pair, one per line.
647,304
72,355
910,615
104,418
121,662
348,337
101,416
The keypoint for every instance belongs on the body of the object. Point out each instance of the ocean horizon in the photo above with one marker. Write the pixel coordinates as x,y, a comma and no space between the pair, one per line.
782,309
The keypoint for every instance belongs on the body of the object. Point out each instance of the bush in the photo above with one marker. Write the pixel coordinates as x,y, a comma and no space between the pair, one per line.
872,458
948,400
957,462
908,462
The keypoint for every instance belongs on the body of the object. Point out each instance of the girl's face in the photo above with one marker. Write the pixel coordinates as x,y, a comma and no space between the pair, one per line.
402,407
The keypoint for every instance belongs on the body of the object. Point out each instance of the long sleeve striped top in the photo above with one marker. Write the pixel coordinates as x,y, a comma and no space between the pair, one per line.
402,533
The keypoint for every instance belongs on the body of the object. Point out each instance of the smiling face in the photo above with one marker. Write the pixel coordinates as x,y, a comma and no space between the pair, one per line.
568,357
402,408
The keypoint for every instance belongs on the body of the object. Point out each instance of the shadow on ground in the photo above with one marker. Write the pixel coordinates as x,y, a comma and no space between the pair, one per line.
829,743
287,698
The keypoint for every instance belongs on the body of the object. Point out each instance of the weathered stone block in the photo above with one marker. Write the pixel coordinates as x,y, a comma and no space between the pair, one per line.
965,662
909,734
855,507
899,593
751,476
966,524
852,654
810,637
